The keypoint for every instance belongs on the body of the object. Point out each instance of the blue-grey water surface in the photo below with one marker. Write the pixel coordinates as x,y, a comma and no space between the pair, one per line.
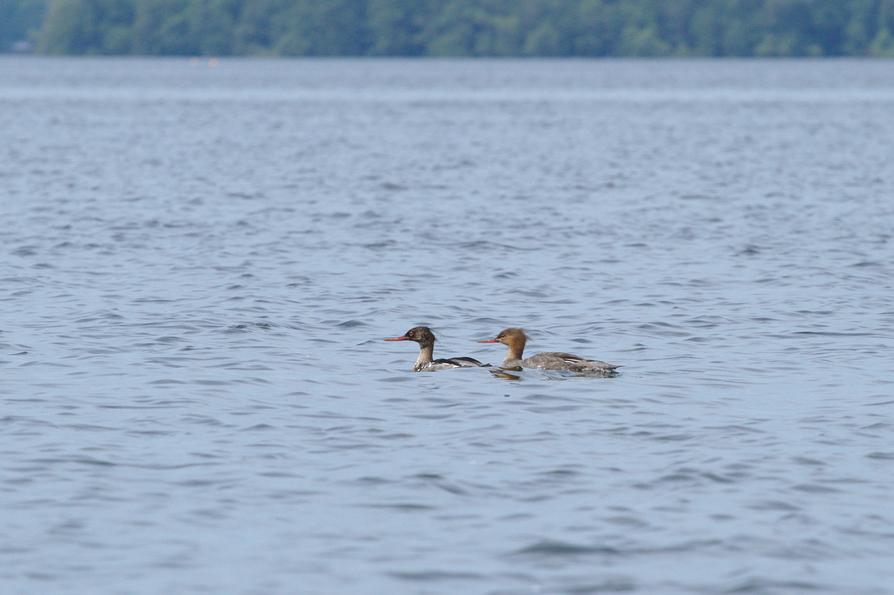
200,259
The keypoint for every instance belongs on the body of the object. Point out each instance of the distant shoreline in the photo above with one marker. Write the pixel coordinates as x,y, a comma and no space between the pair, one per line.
860,58
454,29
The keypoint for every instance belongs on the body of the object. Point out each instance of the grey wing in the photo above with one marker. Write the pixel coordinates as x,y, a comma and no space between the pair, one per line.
576,360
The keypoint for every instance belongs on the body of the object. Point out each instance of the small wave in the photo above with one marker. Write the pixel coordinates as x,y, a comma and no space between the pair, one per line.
758,585
549,548
435,575
352,324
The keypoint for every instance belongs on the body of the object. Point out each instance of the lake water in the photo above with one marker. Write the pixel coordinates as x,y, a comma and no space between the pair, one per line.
200,259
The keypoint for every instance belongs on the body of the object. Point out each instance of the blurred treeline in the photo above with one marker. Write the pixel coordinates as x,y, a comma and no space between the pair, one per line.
454,27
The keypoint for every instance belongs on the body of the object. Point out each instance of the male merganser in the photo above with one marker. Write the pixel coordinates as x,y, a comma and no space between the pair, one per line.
426,340
515,339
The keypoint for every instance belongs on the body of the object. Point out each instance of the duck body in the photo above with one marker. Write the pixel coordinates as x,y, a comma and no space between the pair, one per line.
515,339
557,360
425,362
450,362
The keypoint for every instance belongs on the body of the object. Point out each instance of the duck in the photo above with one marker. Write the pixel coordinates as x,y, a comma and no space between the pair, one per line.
515,339
426,339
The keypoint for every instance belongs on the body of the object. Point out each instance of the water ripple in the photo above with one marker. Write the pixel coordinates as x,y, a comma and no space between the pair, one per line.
201,264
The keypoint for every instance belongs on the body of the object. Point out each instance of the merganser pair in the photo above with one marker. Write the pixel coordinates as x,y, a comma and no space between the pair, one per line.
515,339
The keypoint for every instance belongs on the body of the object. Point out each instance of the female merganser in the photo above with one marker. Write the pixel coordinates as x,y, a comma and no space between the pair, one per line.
426,340
515,339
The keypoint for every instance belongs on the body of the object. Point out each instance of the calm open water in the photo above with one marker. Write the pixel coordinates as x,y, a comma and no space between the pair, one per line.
199,262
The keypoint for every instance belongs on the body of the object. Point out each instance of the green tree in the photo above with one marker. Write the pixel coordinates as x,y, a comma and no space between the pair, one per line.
331,28
860,28
87,27
257,28
673,24
162,27
69,28
19,20
396,27
642,42
543,41
707,34
883,44
212,24
598,28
